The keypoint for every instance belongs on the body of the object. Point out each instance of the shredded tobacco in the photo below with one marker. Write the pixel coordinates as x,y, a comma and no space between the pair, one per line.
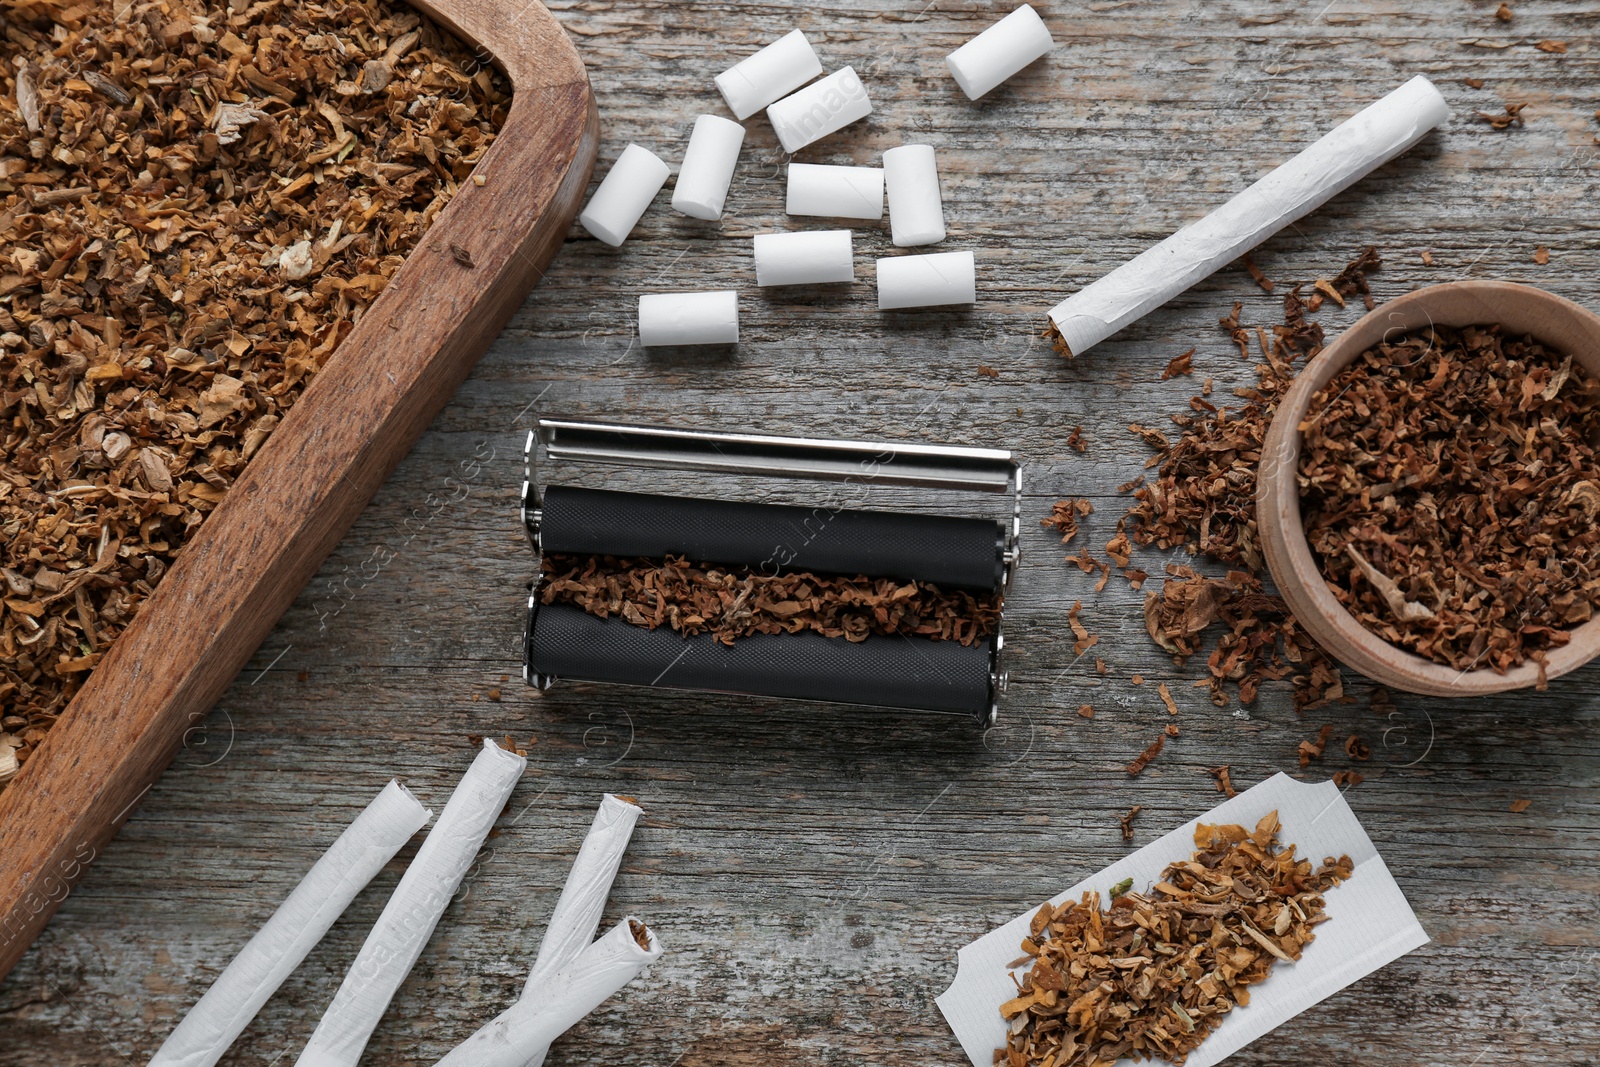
1151,976
199,201
1064,517
731,603
1449,489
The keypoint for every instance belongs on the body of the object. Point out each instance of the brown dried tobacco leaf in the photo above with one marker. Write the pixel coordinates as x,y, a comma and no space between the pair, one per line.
1255,272
1179,364
1357,748
1119,548
1085,562
1503,13
1126,821
1166,698
1224,777
1450,489
1086,711
733,602
1348,778
1541,255
1472,83
1075,440
988,372
1085,640
197,204
1151,976
1520,806
1512,117
1064,516
1557,47
1310,750
1142,760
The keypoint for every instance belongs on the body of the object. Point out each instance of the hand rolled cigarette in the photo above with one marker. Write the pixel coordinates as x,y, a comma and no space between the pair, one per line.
835,192
771,74
999,52
524,1031
809,257
916,212
620,201
407,921
818,110
927,281
689,318
707,169
1353,149
294,929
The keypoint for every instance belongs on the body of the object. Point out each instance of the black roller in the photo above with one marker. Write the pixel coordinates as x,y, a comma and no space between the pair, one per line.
773,538
564,641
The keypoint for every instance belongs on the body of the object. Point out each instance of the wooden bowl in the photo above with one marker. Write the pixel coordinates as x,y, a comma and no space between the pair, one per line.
1558,323
302,490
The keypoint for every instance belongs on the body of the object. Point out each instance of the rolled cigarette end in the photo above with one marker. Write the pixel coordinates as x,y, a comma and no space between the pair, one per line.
927,281
818,110
772,73
294,929
616,207
999,51
524,1031
1348,153
916,212
689,318
835,192
397,938
707,169
814,257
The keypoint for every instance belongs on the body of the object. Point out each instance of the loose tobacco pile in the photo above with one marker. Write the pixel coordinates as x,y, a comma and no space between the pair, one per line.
1152,976
1449,488
198,200
732,603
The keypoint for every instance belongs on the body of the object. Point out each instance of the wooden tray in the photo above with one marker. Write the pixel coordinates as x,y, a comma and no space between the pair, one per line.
300,493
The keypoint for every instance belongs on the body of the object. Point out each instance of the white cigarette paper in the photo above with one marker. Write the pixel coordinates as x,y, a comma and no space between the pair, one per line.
771,74
916,212
616,207
927,281
1000,51
835,192
1353,149
707,169
812,257
397,939
818,110
294,929
525,1030
689,318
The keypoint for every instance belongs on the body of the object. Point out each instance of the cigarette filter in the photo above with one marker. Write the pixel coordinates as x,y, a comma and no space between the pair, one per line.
835,192
927,281
818,110
999,52
778,69
953,552
294,929
916,214
812,257
616,207
689,318
524,1031
407,921
1352,150
707,169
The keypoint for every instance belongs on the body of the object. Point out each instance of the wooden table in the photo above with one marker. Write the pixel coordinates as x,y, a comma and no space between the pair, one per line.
813,869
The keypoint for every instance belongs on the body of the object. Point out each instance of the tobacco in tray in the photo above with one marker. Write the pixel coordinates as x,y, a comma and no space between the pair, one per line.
1449,489
1151,976
731,602
198,201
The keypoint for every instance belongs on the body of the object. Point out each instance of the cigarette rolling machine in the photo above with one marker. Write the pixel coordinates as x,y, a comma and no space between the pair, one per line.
902,671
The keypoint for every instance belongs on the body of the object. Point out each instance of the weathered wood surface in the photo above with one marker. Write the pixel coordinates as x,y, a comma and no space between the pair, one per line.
812,870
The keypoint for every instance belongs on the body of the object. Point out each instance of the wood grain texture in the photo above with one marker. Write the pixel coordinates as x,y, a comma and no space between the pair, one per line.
811,870
301,492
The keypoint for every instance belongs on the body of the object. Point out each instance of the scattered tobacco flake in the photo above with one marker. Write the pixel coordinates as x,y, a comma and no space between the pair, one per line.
1166,698
460,254
1179,364
1346,779
988,372
200,200
1085,640
1356,747
1100,666
1520,806
1310,750
1137,679
1224,777
1085,562
1541,255
1449,489
1512,117
1556,47
734,602
1064,516
1085,711
1472,83
1172,730
1255,272
1503,13
1152,975
1142,760
1075,440
1427,258
1126,821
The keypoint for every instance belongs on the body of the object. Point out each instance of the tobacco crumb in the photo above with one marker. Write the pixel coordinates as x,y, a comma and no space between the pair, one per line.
1503,13
1472,83
1520,806
641,933
475,740
1310,750
1137,679
1450,489
1427,258
1126,821
1075,440
1357,748
1172,729
730,603
1512,117
1085,640
1085,562
988,372
1556,47
1255,273
1142,760
461,256
1100,666
1541,255
1166,698
1224,777
1085,711
1152,975
1347,779
1179,364
493,694
1064,516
